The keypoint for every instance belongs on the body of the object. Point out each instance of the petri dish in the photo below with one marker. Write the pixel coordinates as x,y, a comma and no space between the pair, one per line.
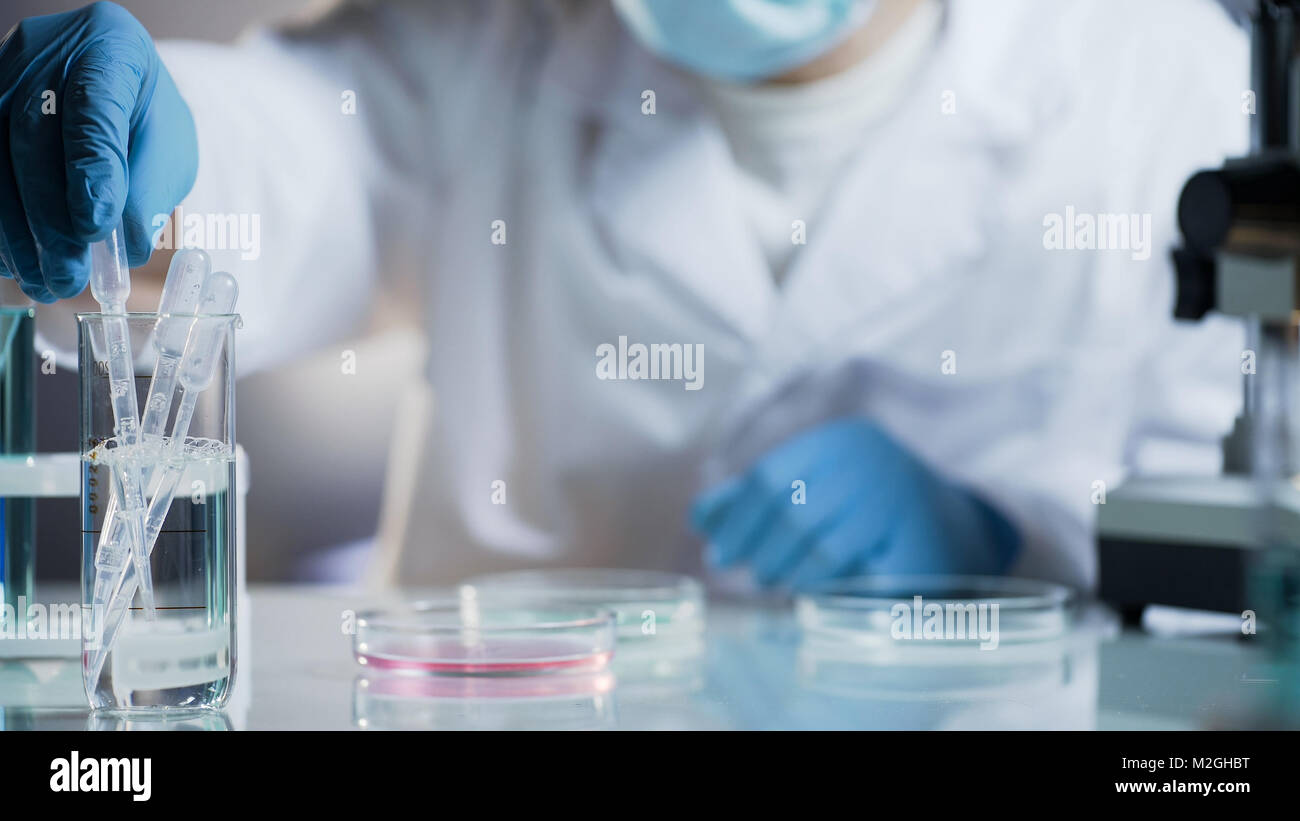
564,701
647,604
985,612
465,637
939,640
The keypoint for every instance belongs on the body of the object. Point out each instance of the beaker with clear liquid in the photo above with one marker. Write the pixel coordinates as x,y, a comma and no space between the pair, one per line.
183,658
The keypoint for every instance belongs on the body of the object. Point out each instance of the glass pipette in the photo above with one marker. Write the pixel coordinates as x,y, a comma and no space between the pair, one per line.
202,350
110,284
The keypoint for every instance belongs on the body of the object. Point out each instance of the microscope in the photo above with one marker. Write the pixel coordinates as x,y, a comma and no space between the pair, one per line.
1195,541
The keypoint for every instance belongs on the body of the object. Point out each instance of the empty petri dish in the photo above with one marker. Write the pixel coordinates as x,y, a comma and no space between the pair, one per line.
646,603
939,640
469,637
935,611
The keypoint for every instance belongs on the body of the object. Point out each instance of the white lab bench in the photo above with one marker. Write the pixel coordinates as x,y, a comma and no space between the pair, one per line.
752,674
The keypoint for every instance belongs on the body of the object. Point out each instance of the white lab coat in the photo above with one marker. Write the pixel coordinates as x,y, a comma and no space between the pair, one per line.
1069,370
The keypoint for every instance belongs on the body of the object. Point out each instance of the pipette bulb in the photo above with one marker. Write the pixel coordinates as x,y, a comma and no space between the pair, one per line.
199,365
185,277
110,274
220,291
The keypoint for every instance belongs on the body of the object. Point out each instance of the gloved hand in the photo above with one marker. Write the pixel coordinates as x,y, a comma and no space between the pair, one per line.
92,129
869,507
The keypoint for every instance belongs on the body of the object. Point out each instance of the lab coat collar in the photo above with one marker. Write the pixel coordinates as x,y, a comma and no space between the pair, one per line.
661,189
921,206
671,211
917,205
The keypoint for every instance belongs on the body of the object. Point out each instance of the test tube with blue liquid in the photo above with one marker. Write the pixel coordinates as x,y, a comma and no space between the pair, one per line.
17,444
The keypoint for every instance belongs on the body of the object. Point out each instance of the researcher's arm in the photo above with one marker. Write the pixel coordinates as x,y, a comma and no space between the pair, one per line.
300,158
295,194
330,142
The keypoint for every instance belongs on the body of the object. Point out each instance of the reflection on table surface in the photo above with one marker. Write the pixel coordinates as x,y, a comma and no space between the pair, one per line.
751,672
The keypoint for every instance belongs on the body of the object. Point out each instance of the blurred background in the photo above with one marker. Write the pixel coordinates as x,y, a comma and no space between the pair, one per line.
291,471
294,457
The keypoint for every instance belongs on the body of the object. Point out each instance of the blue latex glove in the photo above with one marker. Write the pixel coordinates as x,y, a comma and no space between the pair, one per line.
114,141
870,507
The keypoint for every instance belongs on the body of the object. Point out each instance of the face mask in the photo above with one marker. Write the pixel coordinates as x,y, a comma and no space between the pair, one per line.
741,40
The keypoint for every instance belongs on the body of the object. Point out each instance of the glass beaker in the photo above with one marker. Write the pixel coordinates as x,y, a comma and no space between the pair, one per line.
183,657
1273,399
17,442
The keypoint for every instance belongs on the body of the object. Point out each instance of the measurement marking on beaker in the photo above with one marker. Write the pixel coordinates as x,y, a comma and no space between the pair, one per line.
175,607
96,532
103,374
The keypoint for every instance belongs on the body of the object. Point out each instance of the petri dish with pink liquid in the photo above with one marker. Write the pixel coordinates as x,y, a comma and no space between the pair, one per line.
465,637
